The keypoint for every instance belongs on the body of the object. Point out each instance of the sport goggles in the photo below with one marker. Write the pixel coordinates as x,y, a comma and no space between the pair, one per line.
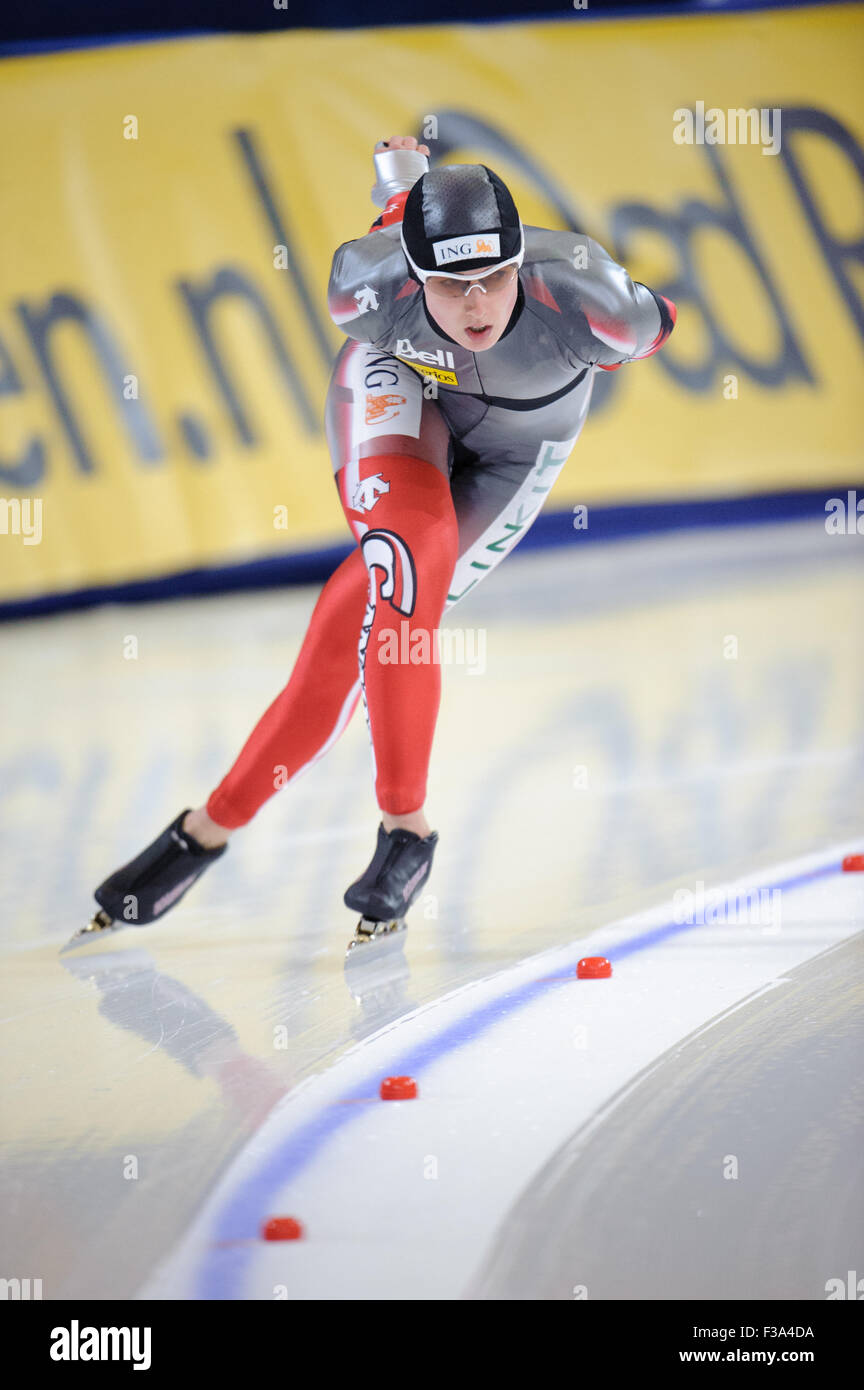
455,286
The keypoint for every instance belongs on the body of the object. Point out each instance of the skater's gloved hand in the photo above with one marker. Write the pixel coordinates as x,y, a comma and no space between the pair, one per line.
396,174
401,142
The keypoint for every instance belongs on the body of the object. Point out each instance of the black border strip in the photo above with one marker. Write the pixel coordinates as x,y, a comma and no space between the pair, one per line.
550,528
379,15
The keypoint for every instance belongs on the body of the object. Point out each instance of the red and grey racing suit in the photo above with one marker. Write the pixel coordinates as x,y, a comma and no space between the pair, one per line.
429,528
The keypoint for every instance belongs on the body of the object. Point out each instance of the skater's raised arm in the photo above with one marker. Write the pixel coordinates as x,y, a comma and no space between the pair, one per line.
368,273
399,163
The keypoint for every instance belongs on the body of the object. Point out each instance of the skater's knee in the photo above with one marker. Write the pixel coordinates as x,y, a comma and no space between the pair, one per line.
410,570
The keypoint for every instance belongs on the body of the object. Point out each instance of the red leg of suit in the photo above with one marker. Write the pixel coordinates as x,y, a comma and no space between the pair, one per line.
313,709
409,545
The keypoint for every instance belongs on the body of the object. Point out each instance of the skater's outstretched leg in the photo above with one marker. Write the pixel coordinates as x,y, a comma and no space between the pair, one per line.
311,712
303,721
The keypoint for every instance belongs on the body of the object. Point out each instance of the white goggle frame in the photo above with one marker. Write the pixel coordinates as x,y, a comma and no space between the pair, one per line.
424,275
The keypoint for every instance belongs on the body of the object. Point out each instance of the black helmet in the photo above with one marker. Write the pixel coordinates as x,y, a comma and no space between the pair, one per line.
460,217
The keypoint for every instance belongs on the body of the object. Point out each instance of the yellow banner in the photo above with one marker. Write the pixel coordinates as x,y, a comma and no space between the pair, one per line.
169,213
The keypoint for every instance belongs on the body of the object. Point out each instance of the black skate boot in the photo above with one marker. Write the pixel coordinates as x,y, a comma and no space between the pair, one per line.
150,884
383,894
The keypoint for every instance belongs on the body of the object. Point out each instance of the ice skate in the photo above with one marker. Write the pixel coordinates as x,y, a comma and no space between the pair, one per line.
144,889
394,879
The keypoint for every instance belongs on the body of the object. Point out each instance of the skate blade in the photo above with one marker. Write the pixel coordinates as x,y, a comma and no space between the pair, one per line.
98,928
371,933
377,976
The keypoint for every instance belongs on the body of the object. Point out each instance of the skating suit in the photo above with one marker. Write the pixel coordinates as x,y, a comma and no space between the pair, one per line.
429,532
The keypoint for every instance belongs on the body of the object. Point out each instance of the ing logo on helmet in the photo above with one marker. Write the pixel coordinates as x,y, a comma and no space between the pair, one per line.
466,248
384,407
386,551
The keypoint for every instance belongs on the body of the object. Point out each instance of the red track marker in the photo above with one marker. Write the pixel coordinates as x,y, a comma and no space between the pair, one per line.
593,968
282,1228
398,1088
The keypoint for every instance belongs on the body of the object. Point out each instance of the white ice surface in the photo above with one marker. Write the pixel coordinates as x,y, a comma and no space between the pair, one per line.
402,1199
